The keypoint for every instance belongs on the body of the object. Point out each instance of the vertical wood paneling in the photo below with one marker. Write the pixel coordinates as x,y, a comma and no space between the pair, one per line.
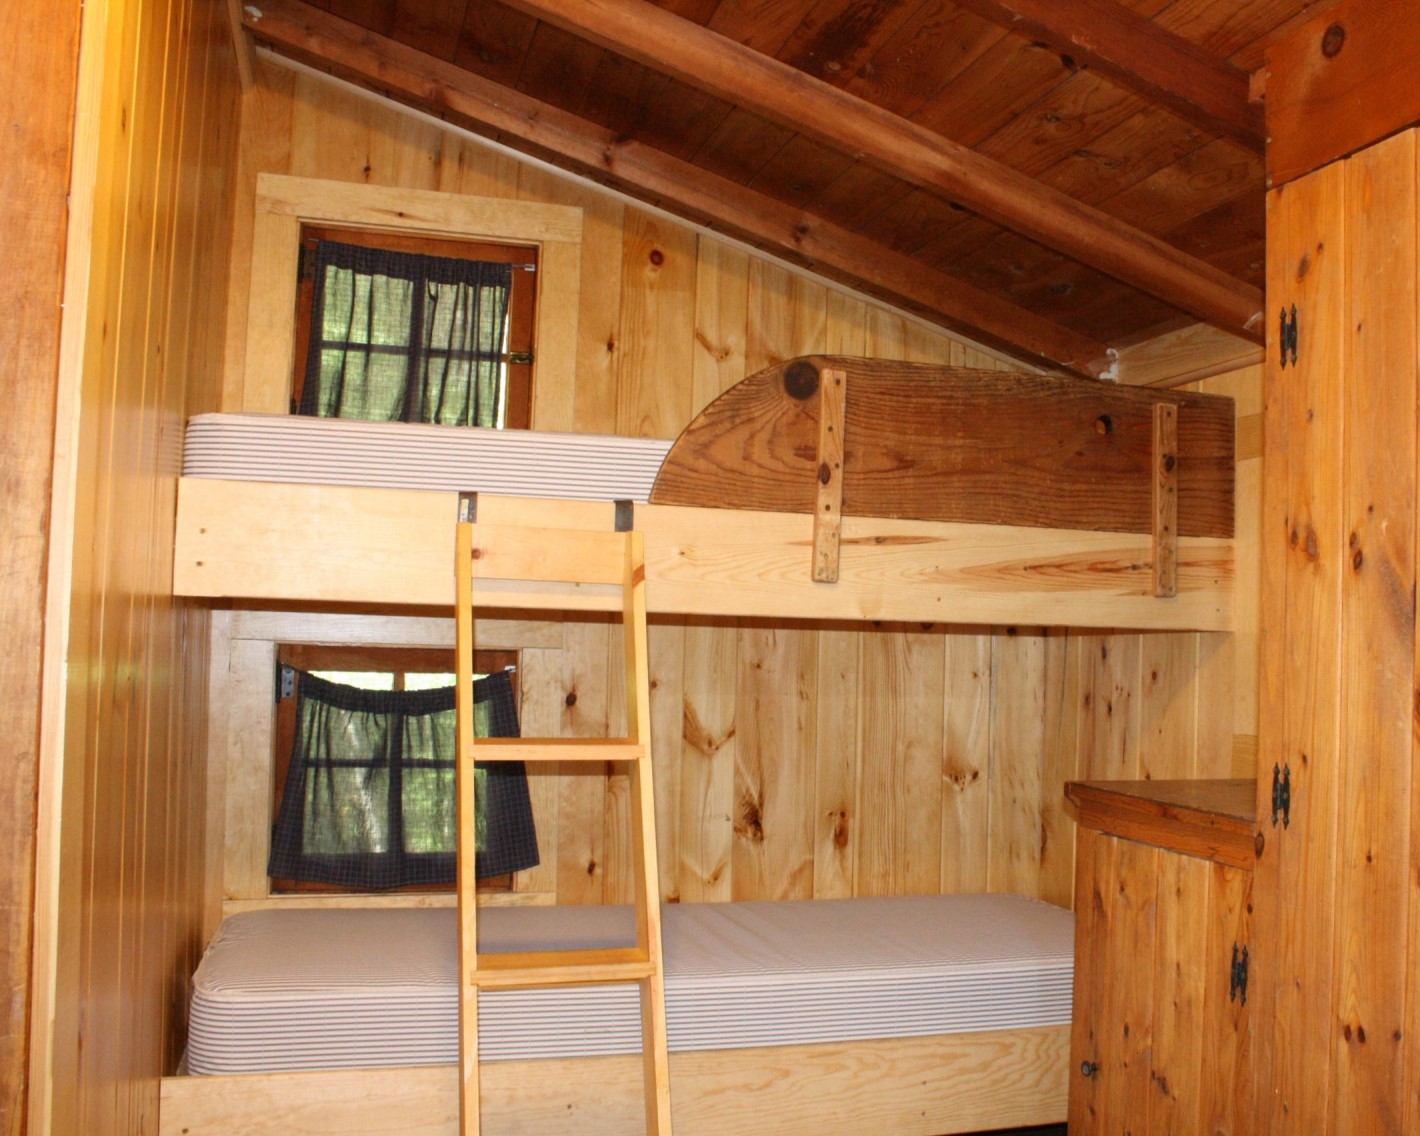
899,837
721,315
1225,1079
1130,997
1095,886
1377,614
582,791
837,818
657,327
160,134
707,776
541,701
1017,740
967,763
1180,967
1062,761
1300,686
774,765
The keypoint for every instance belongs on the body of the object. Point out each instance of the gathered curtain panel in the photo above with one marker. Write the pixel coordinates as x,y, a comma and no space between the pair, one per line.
369,800
406,337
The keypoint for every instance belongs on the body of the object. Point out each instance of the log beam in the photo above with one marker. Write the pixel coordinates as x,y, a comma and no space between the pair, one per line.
713,63
1136,53
310,35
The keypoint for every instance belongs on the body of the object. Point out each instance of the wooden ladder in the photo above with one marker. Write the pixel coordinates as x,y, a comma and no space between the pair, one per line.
566,557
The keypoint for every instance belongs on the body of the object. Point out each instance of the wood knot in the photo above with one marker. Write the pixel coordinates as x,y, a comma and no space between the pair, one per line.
825,475
1104,425
657,257
1333,40
571,699
1170,463
800,380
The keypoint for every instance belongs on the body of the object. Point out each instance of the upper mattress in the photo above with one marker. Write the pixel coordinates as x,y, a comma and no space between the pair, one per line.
404,455
349,988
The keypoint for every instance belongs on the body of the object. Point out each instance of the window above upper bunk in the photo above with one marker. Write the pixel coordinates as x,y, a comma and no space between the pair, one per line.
398,328
268,364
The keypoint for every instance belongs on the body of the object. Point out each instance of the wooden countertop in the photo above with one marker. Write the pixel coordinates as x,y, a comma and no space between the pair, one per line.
1212,819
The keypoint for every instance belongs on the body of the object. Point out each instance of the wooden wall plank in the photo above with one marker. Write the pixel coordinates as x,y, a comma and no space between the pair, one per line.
37,100
1378,648
1125,1071
1180,963
158,123
898,844
1017,739
774,765
967,773
540,709
1225,1085
657,327
707,778
1300,708
582,790
721,315
838,819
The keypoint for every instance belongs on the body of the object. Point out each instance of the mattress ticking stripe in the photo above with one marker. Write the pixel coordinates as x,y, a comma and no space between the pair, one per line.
310,989
401,455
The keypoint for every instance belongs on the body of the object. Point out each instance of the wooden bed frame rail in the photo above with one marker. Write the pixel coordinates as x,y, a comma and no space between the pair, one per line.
326,545
925,1086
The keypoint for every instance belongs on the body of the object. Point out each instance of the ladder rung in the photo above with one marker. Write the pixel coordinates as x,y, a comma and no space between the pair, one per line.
561,968
557,749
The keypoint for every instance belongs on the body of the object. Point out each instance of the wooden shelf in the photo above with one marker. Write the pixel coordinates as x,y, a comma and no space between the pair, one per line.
1212,819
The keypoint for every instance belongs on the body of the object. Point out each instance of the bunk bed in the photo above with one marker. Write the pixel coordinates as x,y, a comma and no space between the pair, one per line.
823,488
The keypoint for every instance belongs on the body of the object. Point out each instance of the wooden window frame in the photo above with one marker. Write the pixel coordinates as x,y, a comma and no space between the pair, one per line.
284,204
382,660
522,302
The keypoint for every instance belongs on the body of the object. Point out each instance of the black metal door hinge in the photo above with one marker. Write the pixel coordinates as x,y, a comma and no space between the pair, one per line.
1282,795
1288,337
1237,981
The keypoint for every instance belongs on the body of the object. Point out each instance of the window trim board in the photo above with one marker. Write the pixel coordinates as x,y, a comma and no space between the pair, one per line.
284,203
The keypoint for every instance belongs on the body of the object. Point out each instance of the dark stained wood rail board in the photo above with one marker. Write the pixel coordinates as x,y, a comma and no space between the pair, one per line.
1211,819
938,443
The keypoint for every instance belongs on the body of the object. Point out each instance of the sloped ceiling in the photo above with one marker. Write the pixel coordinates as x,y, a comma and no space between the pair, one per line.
1053,177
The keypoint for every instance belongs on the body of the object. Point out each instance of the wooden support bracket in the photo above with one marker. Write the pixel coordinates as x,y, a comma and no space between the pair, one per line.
1165,499
828,510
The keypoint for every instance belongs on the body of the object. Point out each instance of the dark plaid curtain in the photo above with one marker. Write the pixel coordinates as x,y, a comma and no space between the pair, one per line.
399,336
369,800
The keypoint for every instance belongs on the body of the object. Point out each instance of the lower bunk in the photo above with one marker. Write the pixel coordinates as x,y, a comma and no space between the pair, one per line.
914,1016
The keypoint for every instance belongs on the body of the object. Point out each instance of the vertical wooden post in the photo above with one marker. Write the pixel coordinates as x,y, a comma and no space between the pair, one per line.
828,508
1165,512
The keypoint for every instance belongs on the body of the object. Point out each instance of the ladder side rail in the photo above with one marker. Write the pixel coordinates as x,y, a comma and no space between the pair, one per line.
466,842
655,1061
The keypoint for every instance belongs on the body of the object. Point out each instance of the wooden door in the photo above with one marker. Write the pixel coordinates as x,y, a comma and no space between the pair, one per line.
1160,1035
1336,886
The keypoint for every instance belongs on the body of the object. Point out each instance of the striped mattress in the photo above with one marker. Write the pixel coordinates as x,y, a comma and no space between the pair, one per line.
350,988
403,455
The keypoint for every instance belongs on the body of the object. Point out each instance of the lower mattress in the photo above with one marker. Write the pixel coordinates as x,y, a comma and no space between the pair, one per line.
341,988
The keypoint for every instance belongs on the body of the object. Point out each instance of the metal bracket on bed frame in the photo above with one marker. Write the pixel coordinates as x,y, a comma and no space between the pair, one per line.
625,516
468,508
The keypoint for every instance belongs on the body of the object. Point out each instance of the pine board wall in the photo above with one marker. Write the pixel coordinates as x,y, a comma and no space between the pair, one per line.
123,780
792,761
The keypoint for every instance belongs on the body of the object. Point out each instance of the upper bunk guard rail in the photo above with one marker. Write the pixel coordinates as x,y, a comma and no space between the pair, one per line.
322,544
489,552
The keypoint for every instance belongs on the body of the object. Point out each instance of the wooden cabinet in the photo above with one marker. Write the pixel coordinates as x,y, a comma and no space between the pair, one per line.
1161,1038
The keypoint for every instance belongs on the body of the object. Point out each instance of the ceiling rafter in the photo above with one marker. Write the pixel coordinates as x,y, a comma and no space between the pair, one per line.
416,79
1138,54
648,34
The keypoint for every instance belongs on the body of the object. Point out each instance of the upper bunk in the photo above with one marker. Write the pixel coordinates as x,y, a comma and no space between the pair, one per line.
823,488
